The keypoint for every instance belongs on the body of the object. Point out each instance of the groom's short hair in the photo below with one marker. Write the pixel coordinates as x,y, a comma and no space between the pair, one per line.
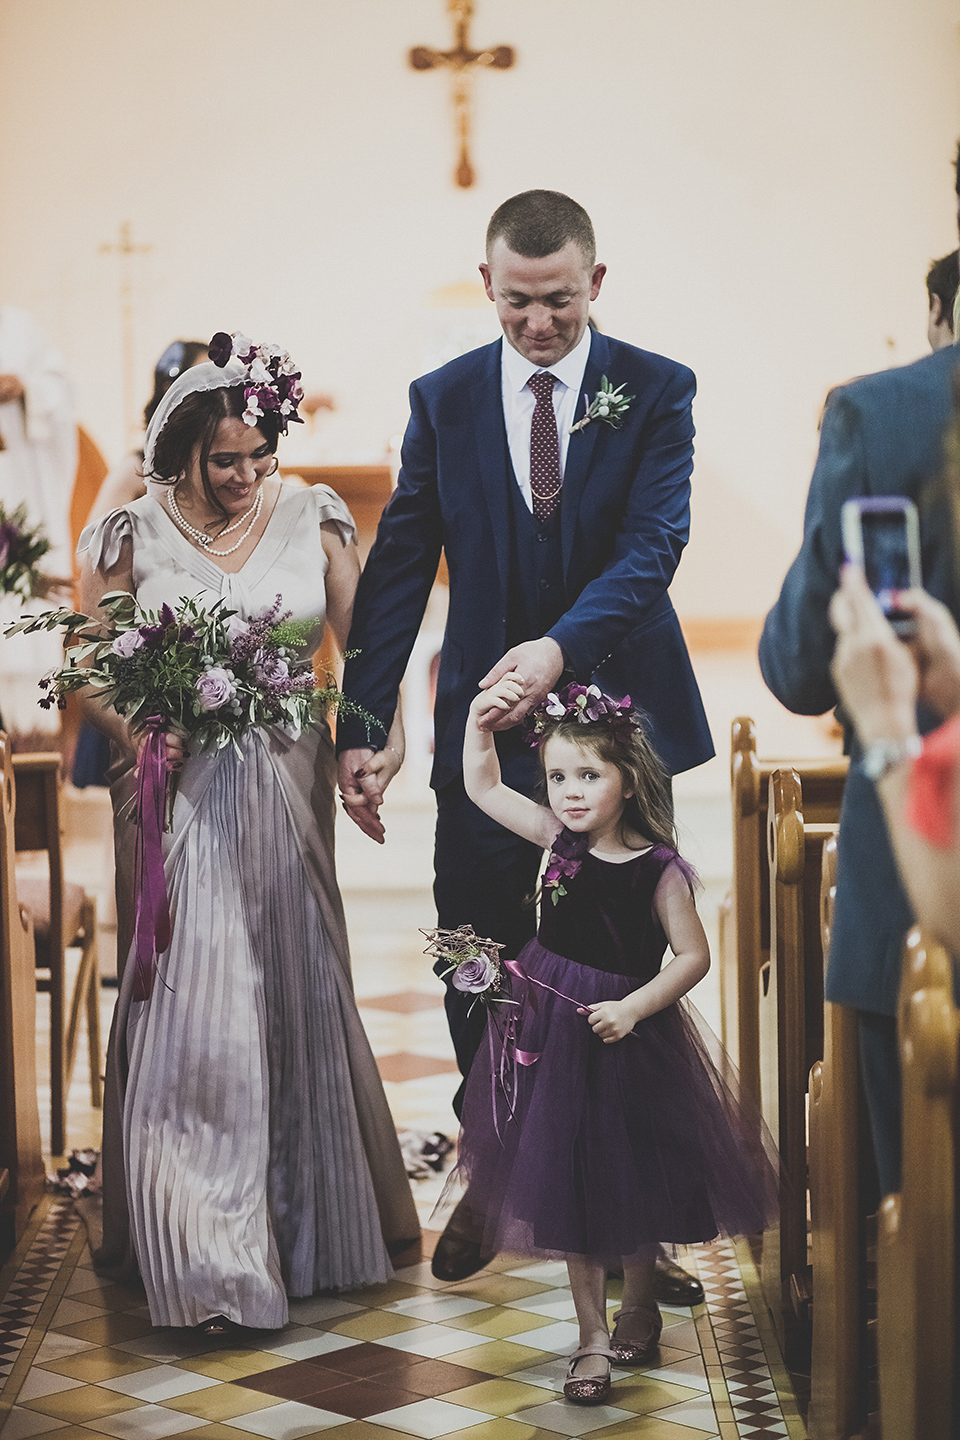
540,222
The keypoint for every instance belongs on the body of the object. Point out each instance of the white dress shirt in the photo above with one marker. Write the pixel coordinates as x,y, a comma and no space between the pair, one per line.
519,402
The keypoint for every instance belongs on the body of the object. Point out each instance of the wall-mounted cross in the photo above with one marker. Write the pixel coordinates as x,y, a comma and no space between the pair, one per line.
125,247
462,61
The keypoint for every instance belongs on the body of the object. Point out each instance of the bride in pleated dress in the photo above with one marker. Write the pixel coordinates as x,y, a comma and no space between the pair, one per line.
249,1154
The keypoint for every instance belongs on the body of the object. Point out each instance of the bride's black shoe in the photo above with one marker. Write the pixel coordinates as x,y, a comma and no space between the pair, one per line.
218,1327
460,1251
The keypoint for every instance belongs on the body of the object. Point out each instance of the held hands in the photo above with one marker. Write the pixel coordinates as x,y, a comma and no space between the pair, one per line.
498,700
364,775
612,1019
539,665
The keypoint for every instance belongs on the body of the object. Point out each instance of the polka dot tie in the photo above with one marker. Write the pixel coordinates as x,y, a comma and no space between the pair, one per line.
545,481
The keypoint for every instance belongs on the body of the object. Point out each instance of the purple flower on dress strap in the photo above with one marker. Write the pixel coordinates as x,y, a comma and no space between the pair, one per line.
565,858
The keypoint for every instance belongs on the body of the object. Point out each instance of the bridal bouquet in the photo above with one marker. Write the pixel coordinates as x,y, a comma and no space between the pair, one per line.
22,547
204,672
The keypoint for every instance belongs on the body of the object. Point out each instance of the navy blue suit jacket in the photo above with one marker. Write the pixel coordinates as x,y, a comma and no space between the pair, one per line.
625,517
881,435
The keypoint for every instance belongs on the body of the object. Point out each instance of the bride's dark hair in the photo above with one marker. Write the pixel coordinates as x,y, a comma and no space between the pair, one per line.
193,423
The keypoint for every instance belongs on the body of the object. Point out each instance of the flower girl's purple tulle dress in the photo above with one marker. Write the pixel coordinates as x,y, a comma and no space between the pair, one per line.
571,1146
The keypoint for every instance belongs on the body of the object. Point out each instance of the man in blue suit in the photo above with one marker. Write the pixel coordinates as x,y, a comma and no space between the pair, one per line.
880,435
560,549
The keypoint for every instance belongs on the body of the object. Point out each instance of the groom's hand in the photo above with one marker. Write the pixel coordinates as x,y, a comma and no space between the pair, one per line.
362,793
540,664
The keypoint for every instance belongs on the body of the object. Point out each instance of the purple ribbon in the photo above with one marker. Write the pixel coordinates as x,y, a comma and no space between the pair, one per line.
504,1075
152,933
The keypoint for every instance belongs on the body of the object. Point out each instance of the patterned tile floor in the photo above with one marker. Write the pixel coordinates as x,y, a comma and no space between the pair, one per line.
483,1359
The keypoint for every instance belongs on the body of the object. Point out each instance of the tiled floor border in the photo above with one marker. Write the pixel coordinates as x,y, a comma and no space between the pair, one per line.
32,1284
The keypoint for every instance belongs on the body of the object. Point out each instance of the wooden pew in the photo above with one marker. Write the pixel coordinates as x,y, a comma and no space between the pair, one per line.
20,1154
916,1241
839,1161
790,1014
64,916
823,781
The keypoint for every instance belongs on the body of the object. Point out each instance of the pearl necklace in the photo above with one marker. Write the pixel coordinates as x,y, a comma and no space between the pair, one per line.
205,541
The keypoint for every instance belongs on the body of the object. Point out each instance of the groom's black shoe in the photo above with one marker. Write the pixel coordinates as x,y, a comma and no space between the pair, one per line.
460,1251
674,1286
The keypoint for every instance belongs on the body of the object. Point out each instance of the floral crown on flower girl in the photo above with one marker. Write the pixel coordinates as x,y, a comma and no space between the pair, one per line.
271,382
587,705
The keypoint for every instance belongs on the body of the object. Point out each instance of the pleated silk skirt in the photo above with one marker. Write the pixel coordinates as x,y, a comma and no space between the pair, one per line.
246,1174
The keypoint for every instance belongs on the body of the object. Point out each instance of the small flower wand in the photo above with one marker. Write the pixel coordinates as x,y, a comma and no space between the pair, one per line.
473,964
609,405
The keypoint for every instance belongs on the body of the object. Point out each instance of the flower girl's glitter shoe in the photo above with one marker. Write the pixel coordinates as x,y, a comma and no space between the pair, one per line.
637,1352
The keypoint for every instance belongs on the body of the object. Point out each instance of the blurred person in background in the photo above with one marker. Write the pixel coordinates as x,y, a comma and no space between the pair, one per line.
38,465
942,280
881,435
881,682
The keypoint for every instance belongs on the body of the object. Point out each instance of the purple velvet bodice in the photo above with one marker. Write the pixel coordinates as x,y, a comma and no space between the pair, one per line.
606,919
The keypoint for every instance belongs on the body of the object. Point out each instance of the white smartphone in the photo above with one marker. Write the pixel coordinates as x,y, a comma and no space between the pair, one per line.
882,534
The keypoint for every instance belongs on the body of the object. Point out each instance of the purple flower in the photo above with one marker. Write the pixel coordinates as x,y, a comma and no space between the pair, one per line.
127,644
474,976
270,668
234,627
154,634
215,688
9,535
220,348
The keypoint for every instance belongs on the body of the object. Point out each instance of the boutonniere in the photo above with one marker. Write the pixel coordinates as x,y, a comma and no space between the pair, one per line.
609,405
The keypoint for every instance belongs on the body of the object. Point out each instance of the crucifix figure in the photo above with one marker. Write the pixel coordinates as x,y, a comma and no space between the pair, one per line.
462,61
125,248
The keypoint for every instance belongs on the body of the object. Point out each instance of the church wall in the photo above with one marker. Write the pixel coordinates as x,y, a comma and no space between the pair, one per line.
768,181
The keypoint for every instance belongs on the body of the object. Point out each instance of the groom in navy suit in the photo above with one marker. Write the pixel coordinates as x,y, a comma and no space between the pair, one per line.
573,581
560,548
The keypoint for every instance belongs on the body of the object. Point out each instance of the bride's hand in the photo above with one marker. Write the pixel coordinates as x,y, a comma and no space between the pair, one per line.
380,770
364,776
177,752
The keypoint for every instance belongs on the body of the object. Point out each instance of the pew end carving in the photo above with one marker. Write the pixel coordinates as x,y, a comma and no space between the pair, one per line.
916,1239
839,1165
742,964
20,1154
790,1032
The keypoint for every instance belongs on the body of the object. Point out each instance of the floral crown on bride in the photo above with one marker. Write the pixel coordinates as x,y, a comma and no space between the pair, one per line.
586,704
272,381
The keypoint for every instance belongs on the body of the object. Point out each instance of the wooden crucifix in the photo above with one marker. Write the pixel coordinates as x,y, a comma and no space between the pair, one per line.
125,247
462,61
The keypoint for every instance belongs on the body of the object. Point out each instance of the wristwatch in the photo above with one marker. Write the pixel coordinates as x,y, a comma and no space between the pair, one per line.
882,756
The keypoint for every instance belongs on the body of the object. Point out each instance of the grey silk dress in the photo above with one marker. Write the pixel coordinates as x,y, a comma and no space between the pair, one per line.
249,1153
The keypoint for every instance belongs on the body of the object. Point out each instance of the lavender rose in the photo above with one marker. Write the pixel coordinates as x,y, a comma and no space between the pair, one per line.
474,976
215,688
234,627
127,644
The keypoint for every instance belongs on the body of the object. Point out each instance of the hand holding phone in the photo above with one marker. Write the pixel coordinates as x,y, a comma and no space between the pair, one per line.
882,536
